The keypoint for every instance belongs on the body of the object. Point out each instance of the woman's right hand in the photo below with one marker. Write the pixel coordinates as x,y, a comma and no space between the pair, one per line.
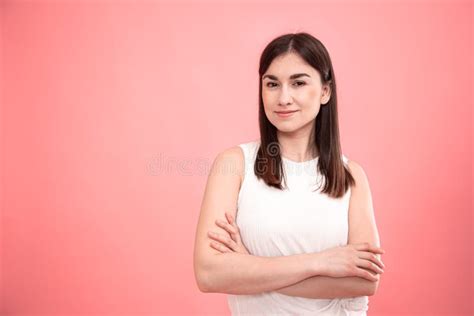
351,260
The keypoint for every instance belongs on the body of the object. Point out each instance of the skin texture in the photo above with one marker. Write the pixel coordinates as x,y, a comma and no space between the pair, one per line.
222,264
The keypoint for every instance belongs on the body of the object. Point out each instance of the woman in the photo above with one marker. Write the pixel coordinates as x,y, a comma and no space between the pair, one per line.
304,238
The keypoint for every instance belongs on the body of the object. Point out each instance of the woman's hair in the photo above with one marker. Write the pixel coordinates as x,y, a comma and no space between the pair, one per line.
268,165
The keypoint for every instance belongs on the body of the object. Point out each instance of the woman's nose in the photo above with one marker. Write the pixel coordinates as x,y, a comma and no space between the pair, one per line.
285,96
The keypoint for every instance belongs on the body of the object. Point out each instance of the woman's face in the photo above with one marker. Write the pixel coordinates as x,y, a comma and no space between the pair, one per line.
290,84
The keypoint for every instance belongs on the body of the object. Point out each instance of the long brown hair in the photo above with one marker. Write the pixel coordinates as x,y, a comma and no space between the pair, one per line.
268,165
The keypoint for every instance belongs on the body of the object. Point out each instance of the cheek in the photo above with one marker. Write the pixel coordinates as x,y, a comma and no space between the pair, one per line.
313,94
267,98
310,104
313,99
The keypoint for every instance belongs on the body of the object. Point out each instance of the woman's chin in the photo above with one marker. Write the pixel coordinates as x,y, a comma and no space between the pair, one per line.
284,128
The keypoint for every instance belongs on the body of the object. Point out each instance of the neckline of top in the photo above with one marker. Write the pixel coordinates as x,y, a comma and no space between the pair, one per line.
258,143
299,162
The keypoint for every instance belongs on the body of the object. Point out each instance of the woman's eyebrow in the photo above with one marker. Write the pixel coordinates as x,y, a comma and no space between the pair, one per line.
291,77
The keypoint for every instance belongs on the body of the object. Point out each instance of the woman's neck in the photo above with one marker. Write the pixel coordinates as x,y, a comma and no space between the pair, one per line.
297,147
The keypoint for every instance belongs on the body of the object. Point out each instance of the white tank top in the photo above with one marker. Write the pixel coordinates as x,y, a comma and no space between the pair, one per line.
293,221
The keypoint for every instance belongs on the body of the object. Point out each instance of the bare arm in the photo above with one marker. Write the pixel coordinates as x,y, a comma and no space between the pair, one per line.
362,228
237,273
324,287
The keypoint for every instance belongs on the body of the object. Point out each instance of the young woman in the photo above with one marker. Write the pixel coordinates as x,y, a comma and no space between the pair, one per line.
287,225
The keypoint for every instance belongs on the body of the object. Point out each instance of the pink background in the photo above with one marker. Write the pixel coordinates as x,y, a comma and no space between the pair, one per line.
111,115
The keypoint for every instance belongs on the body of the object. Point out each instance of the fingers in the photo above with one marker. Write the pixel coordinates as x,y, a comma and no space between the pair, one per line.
232,221
228,242
367,275
369,265
230,218
371,257
230,227
219,247
368,247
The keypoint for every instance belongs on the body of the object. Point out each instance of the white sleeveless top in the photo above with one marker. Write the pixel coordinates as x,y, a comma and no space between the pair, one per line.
293,221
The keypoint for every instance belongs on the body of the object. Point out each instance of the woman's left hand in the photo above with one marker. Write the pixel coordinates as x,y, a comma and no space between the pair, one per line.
224,243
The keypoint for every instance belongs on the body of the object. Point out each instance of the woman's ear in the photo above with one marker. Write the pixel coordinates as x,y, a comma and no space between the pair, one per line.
326,94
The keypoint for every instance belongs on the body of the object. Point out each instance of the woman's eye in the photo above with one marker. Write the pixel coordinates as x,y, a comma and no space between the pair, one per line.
297,83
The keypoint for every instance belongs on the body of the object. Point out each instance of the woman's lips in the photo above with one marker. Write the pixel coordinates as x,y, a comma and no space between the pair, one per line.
285,113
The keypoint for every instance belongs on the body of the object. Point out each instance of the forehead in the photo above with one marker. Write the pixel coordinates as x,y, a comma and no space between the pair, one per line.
290,63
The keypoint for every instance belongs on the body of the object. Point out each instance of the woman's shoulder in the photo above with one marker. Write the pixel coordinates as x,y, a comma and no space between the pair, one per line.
357,171
245,149
250,143
235,157
239,151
